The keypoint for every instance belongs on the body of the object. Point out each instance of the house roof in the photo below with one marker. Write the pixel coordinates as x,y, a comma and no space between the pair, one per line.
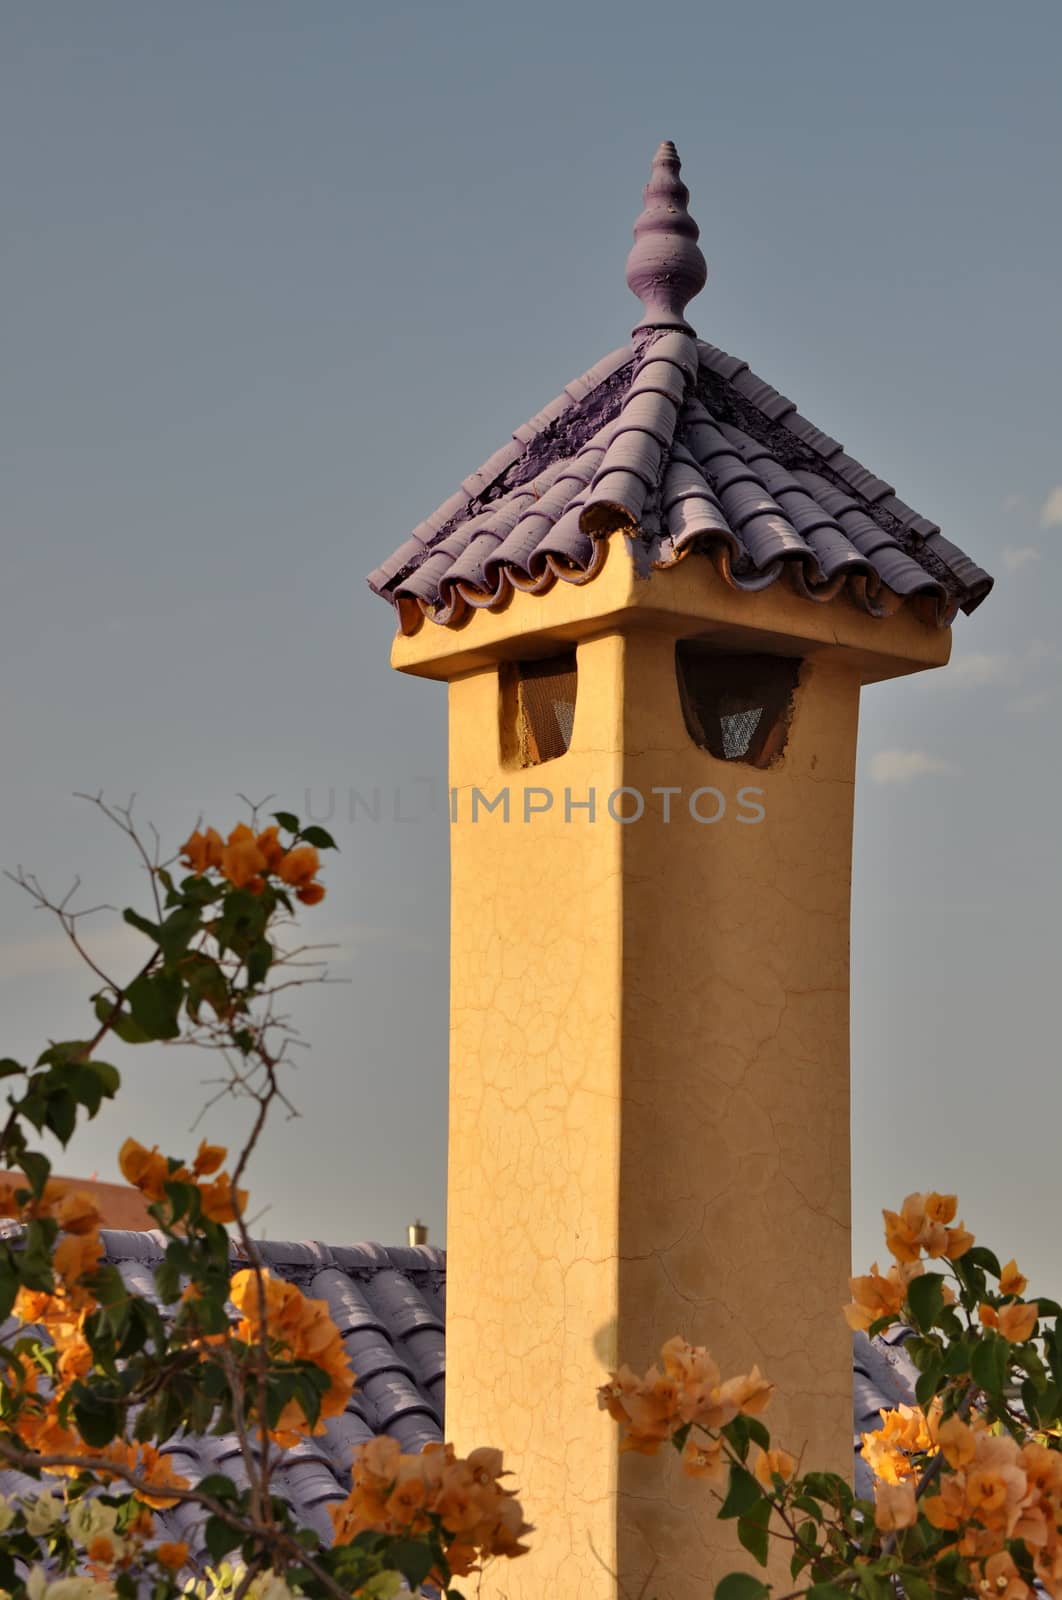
389,1306
680,448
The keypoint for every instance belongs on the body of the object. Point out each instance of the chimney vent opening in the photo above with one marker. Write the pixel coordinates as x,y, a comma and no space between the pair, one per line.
737,707
537,703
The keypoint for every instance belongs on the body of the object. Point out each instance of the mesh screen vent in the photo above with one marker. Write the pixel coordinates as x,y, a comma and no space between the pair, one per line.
537,709
736,707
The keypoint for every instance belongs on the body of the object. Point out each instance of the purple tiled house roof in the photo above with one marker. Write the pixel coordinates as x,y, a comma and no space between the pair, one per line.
389,1306
681,449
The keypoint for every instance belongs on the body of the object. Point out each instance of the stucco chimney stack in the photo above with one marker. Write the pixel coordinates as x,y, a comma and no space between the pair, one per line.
655,607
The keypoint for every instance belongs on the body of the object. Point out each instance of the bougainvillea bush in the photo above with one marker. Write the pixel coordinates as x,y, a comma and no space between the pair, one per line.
95,1379
968,1493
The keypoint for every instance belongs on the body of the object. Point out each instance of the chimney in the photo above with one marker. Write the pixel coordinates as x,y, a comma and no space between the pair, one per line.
655,609
417,1232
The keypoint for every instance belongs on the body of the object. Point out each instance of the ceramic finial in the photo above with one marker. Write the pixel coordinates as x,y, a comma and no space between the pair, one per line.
665,269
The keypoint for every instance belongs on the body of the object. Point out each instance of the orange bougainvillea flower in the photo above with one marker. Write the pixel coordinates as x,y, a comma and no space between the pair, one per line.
310,894
751,1392
78,1213
101,1550
241,859
145,1169
957,1441
299,865
649,1409
401,1494
1015,1323
876,1296
172,1553
76,1255
921,1224
905,1433
774,1463
202,851
269,844
1011,1281
221,1201
208,1158
895,1506
301,1329
705,1459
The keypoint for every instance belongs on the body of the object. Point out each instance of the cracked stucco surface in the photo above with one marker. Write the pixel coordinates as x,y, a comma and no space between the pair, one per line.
649,1101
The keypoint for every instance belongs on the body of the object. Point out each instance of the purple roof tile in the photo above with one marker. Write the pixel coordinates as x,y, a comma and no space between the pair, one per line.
674,443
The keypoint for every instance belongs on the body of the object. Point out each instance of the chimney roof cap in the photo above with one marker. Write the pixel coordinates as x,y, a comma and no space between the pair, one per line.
680,447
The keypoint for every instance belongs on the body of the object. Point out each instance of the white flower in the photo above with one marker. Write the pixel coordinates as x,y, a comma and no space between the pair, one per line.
270,1587
78,1589
87,1519
38,1588
384,1586
42,1513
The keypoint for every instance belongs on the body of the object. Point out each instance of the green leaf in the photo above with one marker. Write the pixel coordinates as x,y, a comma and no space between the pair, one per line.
259,961
827,1591
155,1001
110,1079
218,1487
206,982
742,1494
319,837
9,1282
98,1418
287,819
167,1282
736,1434
978,1256
758,1432
219,1538
61,1115
37,1169
8,1067
829,1486
120,1022
752,1530
413,1558
135,920
1030,1399
925,1298
178,931
990,1363
741,1586
926,1387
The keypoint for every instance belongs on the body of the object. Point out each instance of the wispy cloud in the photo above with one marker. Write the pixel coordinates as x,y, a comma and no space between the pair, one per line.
1051,511
978,668
118,949
999,668
1026,705
903,766
1017,556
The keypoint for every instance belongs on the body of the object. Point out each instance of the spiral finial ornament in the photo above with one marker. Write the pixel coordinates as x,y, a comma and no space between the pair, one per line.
665,268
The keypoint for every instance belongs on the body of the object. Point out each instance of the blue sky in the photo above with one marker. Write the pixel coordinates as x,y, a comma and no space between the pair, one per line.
276,277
